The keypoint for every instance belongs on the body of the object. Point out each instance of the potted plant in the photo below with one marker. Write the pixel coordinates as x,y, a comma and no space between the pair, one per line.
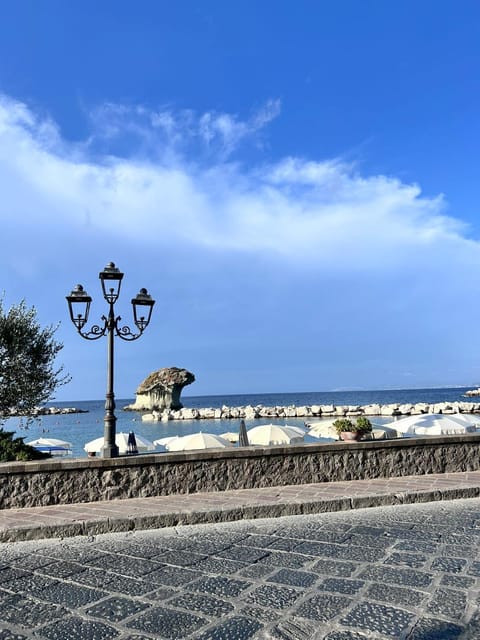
348,430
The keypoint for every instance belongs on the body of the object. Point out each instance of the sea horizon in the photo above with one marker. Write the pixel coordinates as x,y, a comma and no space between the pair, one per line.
272,394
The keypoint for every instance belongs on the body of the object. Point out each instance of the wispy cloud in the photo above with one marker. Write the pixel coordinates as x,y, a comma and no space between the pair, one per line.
167,133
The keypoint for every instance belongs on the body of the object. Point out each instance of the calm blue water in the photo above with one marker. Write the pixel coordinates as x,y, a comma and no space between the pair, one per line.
83,427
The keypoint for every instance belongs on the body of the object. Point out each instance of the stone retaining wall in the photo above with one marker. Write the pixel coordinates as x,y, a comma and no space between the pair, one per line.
88,480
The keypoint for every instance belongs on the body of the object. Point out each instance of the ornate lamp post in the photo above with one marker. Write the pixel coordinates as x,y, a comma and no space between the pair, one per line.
79,306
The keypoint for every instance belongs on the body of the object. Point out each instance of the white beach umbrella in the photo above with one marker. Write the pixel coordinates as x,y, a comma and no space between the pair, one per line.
121,440
322,429
433,424
274,434
163,442
50,442
230,436
198,441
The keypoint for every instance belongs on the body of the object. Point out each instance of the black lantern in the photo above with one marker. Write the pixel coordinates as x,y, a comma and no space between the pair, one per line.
142,299
111,279
79,306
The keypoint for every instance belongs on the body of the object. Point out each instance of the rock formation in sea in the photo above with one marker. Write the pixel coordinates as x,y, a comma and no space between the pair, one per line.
472,392
161,390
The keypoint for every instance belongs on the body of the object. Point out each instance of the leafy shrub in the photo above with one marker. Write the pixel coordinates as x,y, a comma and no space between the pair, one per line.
14,449
362,425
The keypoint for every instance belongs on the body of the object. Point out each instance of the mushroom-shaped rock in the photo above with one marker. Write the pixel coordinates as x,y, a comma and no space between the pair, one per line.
161,390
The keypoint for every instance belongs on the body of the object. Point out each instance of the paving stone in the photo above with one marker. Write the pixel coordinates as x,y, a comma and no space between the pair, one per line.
449,565
124,565
61,569
283,559
461,582
30,584
244,554
322,607
6,634
414,560
405,577
363,540
345,635
330,567
434,629
284,544
256,571
70,595
273,596
31,562
172,576
473,570
74,553
180,558
219,565
294,629
160,594
396,595
116,609
294,578
75,628
341,585
416,546
264,615
22,611
260,541
10,574
448,602
203,603
378,618
233,629
219,586
112,582
458,551
344,552
167,623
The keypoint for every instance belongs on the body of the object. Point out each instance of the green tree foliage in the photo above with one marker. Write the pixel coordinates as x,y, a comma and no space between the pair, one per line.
12,449
28,376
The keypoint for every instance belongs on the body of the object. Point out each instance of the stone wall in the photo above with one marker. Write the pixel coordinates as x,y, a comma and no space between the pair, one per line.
88,480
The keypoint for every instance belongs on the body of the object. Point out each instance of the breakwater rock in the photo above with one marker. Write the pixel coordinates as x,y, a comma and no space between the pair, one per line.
472,392
47,411
319,411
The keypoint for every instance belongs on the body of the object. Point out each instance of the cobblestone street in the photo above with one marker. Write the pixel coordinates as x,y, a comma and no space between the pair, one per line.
409,571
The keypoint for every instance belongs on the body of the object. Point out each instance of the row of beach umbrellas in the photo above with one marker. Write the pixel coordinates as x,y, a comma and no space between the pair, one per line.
267,435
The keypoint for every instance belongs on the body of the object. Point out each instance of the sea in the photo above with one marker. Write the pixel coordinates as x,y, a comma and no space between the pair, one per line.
80,428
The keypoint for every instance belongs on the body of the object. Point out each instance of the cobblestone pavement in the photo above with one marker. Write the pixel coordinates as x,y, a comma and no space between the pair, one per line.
407,572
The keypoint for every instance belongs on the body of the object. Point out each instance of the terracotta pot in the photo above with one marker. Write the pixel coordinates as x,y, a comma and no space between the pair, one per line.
350,436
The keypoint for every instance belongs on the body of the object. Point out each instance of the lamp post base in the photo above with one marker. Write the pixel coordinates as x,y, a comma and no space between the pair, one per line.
110,451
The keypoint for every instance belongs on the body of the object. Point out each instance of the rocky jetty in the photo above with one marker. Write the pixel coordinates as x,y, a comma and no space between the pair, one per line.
49,411
312,411
160,391
472,392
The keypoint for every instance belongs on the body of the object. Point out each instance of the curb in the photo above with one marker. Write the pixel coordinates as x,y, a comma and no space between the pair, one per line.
97,526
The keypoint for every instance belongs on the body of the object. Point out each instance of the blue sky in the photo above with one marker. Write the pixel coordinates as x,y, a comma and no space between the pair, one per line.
296,184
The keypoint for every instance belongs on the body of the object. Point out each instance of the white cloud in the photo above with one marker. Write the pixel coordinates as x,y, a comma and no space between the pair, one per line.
318,214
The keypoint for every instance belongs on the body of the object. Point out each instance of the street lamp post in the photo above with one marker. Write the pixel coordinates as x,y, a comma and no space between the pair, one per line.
79,306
